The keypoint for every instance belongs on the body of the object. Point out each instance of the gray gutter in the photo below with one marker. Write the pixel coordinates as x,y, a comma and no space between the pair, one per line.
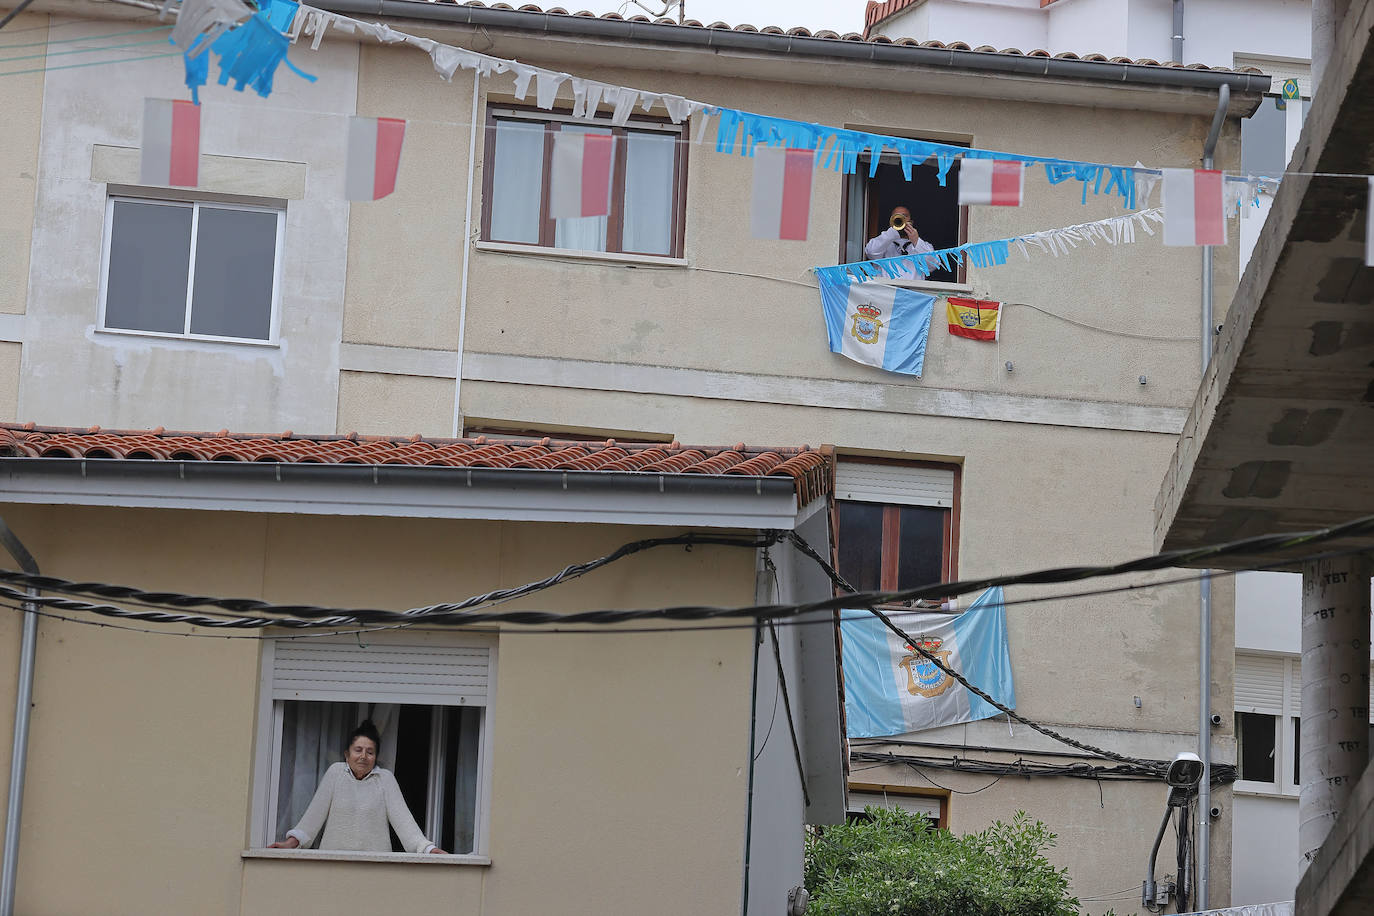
405,491
561,25
23,703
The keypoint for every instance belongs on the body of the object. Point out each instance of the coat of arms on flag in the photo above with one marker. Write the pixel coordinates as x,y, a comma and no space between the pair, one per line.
891,688
973,318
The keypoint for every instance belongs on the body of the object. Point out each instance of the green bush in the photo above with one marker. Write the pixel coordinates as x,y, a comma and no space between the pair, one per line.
895,864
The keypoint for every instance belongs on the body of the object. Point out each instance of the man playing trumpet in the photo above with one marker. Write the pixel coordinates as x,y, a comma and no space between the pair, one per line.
900,238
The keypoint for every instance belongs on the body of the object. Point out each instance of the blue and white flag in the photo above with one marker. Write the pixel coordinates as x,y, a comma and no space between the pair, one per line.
876,324
889,689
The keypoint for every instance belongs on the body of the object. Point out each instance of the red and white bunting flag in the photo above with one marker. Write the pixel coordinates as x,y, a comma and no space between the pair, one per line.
781,205
580,175
171,143
990,181
1194,207
374,155
1369,226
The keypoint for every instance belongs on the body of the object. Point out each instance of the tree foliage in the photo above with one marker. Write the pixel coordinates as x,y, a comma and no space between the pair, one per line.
895,864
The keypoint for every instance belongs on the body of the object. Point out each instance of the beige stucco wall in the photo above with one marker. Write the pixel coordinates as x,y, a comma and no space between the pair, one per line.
620,762
374,404
19,152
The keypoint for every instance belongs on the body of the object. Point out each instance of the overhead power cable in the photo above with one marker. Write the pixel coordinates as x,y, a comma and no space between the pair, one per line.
915,645
457,614
1222,774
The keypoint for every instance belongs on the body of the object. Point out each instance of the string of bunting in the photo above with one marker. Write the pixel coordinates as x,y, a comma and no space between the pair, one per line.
992,177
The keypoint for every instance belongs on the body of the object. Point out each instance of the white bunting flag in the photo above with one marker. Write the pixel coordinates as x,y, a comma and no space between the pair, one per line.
990,181
171,143
374,156
580,176
781,203
1194,207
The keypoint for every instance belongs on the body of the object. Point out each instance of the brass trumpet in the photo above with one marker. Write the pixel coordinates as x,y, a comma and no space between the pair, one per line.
899,222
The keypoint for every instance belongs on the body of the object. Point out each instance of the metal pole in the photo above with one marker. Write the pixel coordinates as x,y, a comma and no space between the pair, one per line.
23,699
1178,32
1335,692
1204,728
467,255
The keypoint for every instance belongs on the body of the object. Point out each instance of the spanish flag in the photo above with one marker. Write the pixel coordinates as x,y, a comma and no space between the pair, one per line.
975,318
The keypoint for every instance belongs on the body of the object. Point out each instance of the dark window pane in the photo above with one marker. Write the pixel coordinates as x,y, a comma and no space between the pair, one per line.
1297,748
150,252
861,544
934,209
464,732
1255,737
236,252
921,546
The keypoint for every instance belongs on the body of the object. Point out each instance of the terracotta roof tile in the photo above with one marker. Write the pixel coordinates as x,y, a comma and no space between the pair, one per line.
809,469
875,12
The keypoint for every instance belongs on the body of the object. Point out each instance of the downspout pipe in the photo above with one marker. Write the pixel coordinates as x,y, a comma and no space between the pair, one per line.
1177,37
1204,733
23,698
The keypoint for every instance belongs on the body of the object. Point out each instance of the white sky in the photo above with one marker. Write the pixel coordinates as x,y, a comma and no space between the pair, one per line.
838,15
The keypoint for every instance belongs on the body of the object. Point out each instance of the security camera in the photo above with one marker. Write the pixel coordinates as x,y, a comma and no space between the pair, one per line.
1185,771
1214,811
1216,720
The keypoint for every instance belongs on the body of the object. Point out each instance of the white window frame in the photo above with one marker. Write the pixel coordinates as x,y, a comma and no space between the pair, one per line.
195,203
266,762
1288,709
1285,711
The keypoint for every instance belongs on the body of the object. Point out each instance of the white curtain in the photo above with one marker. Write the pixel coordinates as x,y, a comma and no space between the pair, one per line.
313,736
465,792
517,177
649,186
587,233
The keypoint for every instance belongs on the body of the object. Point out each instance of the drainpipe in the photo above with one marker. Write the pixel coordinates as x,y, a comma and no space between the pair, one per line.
467,256
1204,733
1178,32
23,699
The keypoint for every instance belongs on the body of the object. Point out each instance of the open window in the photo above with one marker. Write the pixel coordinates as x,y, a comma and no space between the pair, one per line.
428,694
868,202
931,804
896,523
648,178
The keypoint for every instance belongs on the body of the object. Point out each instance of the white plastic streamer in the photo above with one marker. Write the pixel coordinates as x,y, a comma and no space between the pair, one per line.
587,94
1115,230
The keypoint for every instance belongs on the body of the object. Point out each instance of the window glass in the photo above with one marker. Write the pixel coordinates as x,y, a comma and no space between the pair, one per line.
432,752
586,233
921,544
1297,750
1262,135
150,254
1255,737
517,181
861,544
235,257
649,187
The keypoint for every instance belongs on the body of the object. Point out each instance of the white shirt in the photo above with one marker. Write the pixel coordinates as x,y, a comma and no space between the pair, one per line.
892,244
355,812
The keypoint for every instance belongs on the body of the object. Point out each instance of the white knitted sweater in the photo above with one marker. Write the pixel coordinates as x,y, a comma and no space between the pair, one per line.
355,812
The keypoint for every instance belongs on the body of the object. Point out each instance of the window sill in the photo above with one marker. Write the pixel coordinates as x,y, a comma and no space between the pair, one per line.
606,257
187,338
1262,790
326,855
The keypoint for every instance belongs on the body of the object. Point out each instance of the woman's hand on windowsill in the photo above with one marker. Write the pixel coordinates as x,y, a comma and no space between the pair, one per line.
288,843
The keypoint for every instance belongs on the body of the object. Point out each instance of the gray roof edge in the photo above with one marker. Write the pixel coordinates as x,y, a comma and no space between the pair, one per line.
728,39
435,475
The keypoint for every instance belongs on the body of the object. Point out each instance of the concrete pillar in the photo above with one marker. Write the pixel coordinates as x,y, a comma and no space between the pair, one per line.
1335,692
1327,16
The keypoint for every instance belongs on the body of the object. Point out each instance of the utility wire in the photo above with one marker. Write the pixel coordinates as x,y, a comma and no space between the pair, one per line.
23,5
915,645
